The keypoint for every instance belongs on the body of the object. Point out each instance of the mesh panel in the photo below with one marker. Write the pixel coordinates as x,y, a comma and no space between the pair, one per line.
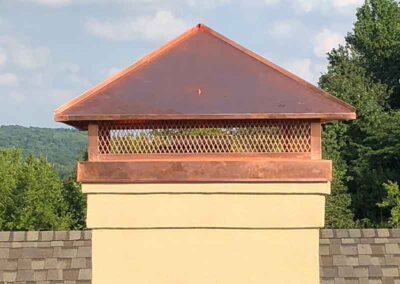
205,137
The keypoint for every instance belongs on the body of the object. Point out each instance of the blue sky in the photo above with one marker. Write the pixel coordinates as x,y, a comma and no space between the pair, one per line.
53,50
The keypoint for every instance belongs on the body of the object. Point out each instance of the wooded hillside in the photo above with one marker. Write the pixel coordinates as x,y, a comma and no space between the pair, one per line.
61,146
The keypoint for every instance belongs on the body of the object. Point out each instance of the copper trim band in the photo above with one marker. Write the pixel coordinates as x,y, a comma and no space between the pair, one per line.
206,171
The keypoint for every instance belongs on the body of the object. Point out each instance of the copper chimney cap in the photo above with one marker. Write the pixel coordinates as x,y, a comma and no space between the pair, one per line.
202,75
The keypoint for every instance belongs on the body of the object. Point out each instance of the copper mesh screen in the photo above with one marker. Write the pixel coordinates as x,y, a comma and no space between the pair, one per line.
205,137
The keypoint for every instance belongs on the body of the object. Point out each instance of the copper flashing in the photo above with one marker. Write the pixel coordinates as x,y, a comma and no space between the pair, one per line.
206,170
203,75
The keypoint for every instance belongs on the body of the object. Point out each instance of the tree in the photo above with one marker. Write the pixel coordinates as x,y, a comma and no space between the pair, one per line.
76,202
376,38
365,151
343,140
392,201
9,168
338,212
31,194
41,205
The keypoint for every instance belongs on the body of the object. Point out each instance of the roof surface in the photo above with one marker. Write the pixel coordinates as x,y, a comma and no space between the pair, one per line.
203,75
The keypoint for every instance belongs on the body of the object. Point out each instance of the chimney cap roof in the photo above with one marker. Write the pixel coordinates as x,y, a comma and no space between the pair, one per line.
203,75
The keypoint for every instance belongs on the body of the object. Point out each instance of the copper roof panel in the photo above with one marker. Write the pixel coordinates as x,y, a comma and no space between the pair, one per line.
204,75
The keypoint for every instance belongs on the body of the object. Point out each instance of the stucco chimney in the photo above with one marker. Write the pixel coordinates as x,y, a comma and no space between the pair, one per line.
204,167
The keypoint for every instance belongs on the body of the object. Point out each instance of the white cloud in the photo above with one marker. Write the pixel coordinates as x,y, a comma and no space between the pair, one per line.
306,6
38,79
31,58
51,3
207,4
305,68
325,40
347,3
271,2
301,67
23,55
3,56
17,97
8,80
71,67
284,29
163,25
142,5
63,94
80,81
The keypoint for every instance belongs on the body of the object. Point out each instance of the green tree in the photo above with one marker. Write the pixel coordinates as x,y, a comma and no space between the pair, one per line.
343,140
365,74
376,39
31,194
392,201
338,211
41,205
10,162
76,202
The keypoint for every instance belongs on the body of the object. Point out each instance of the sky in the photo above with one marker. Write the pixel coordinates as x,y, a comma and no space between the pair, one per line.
53,50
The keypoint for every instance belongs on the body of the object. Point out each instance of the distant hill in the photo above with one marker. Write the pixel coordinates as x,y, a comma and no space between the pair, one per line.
61,146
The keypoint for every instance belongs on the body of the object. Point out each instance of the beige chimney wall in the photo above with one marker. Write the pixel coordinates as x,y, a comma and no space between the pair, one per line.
206,232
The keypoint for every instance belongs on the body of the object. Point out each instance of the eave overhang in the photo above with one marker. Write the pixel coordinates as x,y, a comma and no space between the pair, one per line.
81,121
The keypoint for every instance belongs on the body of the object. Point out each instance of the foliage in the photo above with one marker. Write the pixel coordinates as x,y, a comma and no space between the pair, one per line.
76,202
338,212
376,39
31,194
61,146
366,152
392,201
10,164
